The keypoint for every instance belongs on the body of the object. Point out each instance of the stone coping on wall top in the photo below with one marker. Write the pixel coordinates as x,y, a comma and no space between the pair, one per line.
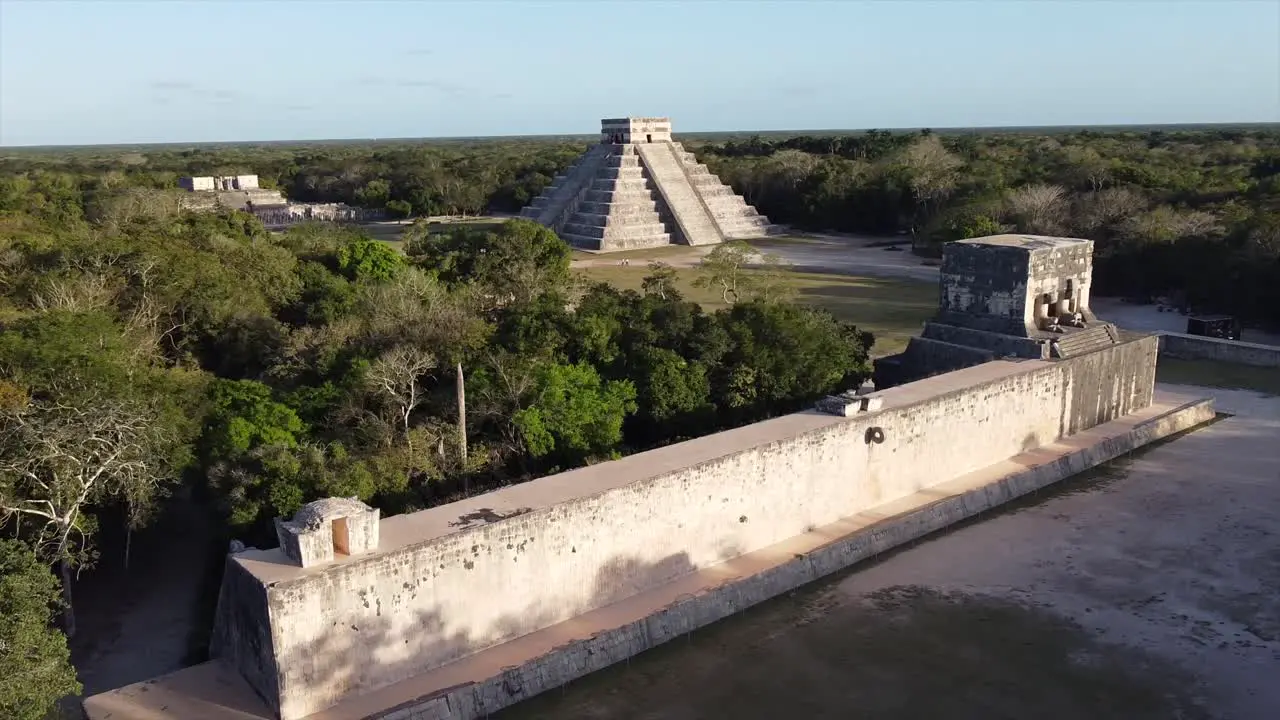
1028,242
401,531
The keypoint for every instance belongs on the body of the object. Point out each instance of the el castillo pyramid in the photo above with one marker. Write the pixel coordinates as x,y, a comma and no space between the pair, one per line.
638,188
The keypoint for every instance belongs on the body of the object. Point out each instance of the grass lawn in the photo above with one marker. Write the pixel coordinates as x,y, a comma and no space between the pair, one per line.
892,309
1210,373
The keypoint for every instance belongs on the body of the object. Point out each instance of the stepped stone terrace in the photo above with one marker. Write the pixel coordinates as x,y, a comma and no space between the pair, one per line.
639,188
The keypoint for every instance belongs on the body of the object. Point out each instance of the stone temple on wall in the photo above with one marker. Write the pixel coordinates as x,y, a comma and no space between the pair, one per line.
1005,296
638,188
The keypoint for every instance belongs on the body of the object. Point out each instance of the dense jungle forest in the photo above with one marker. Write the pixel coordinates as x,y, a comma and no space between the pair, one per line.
150,356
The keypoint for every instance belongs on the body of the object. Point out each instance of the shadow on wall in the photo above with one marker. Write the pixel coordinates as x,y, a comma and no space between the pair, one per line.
333,668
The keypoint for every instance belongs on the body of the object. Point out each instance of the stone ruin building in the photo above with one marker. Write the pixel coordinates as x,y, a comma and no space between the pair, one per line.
234,192
638,188
1005,296
243,193
224,183
276,216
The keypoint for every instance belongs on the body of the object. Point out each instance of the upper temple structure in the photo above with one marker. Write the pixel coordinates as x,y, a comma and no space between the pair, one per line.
1021,296
638,188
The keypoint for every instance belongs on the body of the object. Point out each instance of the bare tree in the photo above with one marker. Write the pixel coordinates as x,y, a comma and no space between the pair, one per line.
76,292
119,208
1164,224
58,460
396,378
932,173
786,169
1038,208
1108,207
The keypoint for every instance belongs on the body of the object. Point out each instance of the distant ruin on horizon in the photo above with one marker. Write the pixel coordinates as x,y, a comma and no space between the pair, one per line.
638,188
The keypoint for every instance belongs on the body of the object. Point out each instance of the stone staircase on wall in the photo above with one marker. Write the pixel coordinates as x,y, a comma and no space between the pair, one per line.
1086,340
694,221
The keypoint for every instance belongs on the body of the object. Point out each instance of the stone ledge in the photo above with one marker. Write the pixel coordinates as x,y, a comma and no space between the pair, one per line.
718,592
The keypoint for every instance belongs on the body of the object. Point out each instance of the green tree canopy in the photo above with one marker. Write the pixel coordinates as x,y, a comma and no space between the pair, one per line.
367,260
35,665
574,413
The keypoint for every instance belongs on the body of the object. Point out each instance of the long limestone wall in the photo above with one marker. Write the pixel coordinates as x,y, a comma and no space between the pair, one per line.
450,581
1196,347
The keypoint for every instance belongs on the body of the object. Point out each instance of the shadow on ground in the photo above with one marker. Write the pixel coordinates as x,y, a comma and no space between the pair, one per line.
903,652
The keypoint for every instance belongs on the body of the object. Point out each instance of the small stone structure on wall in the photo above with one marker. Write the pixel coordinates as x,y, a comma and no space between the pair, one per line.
325,529
639,188
1024,296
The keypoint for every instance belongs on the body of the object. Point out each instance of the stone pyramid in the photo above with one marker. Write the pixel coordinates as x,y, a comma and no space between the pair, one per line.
637,189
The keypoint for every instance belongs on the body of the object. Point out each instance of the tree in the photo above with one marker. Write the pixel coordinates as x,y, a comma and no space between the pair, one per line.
35,665
1038,208
246,428
981,226
724,268
660,281
366,259
931,172
773,281
1102,210
1086,166
513,264
395,377
574,414
374,194
58,460
399,209
673,395
783,356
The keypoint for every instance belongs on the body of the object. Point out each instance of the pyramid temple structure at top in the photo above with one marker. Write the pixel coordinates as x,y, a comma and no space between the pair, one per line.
638,188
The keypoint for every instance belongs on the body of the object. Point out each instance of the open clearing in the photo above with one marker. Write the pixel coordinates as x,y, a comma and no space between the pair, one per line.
893,310
1149,588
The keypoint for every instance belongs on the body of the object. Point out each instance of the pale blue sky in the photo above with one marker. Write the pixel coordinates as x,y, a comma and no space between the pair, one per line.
100,71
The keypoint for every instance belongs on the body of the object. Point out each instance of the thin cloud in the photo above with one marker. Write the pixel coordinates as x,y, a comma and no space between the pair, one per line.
443,86
798,90
173,86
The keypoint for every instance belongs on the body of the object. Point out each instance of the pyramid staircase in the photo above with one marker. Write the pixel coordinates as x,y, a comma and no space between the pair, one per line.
627,196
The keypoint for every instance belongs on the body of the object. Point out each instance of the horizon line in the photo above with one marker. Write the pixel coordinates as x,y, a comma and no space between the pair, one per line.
533,136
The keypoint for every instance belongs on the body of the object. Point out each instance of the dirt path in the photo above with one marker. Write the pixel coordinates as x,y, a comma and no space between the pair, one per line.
138,624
